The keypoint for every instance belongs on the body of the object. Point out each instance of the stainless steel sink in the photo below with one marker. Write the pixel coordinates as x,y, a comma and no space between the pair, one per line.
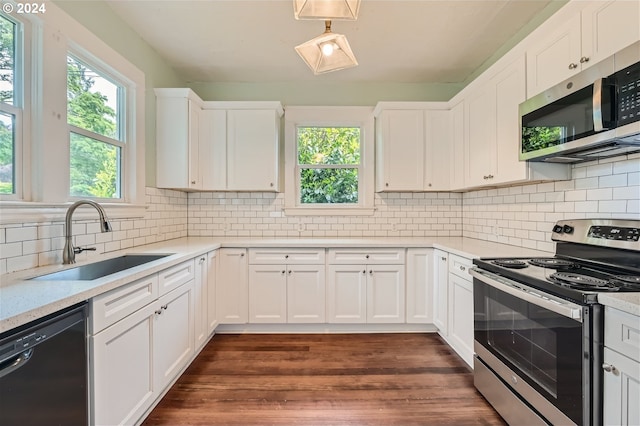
101,269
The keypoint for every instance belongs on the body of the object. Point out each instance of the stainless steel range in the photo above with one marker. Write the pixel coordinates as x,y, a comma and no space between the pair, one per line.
538,327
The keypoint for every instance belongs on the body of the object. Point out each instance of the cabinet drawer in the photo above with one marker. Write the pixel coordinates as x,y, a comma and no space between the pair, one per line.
286,256
111,307
176,276
459,266
368,256
622,332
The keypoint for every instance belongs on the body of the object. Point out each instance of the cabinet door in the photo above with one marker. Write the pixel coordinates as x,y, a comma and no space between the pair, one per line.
213,149
621,389
437,162
480,136
212,269
252,150
195,181
461,317
172,335
441,290
456,150
510,92
306,293
346,293
232,289
267,293
122,370
201,301
420,283
176,143
401,151
385,293
555,57
608,27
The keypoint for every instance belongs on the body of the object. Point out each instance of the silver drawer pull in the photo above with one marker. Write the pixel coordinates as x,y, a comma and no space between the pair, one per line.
610,369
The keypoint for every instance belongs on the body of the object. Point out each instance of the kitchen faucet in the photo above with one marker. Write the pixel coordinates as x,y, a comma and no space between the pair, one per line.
69,252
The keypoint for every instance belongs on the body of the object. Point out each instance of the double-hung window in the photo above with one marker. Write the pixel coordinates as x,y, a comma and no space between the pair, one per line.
95,116
11,107
328,160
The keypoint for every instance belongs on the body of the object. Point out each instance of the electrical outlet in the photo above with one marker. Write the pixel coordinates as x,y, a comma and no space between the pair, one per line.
394,227
300,226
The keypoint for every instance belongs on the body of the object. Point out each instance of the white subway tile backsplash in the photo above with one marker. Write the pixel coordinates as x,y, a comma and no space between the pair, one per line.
608,188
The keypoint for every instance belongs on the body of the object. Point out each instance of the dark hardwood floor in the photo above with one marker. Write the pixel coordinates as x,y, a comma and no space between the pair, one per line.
325,379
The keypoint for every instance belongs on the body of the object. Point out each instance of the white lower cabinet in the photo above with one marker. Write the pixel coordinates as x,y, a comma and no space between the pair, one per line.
460,335
441,291
232,287
420,282
621,368
122,369
172,334
140,339
212,270
365,294
201,301
282,289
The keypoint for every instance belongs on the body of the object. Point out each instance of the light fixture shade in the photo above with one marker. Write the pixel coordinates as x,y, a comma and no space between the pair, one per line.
340,58
326,9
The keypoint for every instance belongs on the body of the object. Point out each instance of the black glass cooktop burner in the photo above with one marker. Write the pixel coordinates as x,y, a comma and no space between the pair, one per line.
510,263
583,282
553,262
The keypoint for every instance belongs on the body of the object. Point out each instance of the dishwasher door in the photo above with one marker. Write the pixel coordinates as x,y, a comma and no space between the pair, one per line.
43,371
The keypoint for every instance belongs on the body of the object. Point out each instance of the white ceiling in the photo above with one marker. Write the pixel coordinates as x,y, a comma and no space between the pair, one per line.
414,41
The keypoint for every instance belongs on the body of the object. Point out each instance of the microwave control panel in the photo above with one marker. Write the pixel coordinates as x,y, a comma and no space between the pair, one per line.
628,81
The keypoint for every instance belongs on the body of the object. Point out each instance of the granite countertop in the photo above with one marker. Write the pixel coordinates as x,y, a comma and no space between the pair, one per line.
23,300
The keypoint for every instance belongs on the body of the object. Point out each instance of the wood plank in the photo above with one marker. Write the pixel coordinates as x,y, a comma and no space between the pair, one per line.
325,379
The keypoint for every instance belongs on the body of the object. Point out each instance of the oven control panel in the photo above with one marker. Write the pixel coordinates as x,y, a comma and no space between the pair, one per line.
614,233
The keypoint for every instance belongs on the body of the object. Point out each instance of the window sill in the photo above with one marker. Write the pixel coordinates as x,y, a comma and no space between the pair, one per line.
329,211
34,212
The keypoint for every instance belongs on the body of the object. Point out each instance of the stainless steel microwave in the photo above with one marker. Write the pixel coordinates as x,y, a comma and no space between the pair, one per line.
595,114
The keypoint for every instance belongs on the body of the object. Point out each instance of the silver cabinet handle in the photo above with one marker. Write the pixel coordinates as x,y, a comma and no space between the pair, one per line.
371,271
286,256
462,268
367,256
610,369
241,254
584,59
364,272
271,184
283,272
386,184
443,258
201,260
193,182
158,312
573,66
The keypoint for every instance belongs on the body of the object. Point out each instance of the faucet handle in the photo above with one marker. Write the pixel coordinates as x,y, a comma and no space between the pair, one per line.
78,250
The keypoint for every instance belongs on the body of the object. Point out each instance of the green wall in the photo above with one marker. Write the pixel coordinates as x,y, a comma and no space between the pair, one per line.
98,17
323,93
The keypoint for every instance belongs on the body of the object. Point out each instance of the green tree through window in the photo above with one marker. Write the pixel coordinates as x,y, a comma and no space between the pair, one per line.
7,105
95,151
328,164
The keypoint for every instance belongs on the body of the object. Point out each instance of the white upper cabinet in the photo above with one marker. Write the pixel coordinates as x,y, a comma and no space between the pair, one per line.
216,146
456,147
573,40
413,146
492,133
253,141
438,160
400,150
179,160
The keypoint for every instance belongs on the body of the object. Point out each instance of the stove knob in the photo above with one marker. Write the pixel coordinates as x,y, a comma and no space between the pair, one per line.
567,229
557,229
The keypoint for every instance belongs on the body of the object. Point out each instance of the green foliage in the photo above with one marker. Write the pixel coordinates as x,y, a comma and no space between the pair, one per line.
7,59
93,164
534,138
6,155
328,146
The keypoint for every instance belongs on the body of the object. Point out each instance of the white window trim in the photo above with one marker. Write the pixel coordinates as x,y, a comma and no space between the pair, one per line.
330,117
20,109
45,194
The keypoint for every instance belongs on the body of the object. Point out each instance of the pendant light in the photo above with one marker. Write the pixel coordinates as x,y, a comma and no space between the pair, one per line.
326,9
327,52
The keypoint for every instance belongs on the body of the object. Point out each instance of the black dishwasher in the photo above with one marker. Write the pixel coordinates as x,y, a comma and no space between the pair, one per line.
43,371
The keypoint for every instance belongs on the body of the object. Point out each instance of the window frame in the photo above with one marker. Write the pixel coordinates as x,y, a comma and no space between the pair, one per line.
20,107
45,147
124,134
361,117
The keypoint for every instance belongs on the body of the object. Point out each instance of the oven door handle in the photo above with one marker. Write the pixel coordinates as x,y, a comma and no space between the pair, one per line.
559,306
